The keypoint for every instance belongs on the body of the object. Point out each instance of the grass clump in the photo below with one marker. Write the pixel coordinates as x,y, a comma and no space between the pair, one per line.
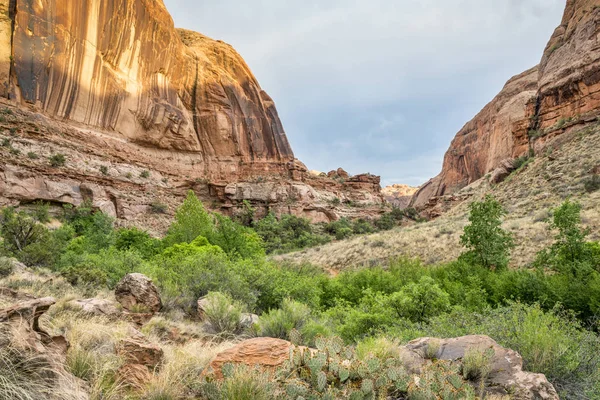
279,323
223,313
57,160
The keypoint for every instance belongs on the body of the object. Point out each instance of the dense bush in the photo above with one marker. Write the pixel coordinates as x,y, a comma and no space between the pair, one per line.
288,233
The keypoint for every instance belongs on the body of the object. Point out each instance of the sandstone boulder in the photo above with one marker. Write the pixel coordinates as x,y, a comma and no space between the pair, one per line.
98,307
139,350
267,353
137,294
140,358
506,368
505,168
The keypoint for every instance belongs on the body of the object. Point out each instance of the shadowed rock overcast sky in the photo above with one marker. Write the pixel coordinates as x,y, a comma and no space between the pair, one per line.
378,86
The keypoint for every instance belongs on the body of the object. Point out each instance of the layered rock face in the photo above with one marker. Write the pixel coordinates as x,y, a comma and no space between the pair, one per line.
121,66
114,87
498,132
533,106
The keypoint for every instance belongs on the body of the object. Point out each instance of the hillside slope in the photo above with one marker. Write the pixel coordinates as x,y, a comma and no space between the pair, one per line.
557,173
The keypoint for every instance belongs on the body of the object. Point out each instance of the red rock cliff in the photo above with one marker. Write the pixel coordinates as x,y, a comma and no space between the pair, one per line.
122,67
539,103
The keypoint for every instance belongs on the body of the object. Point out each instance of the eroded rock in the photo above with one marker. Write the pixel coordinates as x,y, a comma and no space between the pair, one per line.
20,330
137,294
98,307
267,353
506,375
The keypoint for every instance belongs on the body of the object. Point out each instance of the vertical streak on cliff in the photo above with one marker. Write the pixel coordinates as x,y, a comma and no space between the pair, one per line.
6,29
194,109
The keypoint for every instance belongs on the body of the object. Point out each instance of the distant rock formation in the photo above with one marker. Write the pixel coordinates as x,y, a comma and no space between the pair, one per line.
534,106
399,195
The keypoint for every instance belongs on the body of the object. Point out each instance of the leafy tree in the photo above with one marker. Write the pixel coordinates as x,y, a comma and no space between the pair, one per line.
191,220
570,241
487,243
19,229
138,240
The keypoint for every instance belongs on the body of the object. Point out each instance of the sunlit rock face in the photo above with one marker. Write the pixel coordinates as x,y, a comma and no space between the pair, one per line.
533,107
121,66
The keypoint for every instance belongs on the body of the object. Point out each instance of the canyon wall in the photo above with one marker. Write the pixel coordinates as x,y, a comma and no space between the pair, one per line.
564,90
142,112
121,66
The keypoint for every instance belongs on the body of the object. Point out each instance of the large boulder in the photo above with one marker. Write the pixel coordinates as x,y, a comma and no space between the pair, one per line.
506,376
267,353
137,294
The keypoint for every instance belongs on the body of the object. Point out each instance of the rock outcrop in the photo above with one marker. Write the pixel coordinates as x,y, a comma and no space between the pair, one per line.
35,354
140,359
533,107
268,353
506,375
399,195
139,297
121,66
498,132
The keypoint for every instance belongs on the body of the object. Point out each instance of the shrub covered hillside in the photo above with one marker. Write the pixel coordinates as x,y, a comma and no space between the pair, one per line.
547,311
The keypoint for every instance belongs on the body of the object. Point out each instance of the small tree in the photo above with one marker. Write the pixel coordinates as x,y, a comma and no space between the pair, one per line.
570,240
191,220
18,229
488,244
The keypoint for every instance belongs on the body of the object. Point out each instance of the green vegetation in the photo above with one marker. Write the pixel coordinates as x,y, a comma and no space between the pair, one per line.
548,313
487,243
592,183
57,160
145,174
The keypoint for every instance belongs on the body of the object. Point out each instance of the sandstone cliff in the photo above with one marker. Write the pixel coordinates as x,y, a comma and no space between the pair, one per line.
121,66
143,112
534,106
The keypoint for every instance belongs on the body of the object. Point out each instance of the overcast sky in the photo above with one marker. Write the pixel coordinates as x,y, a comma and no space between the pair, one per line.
378,86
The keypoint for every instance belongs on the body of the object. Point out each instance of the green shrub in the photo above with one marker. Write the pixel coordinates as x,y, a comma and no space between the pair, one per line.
592,183
419,301
385,222
191,220
137,240
145,174
279,323
487,243
6,267
57,160
32,156
158,208
288,233
223,314
362,227
41,212
104,170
